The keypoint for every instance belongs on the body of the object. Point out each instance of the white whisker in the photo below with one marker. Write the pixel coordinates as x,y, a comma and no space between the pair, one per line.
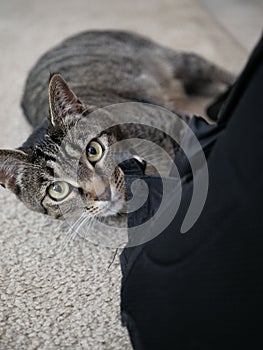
90,224
72,232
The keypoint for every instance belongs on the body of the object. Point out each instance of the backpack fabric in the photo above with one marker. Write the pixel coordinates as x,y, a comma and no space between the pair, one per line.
203,289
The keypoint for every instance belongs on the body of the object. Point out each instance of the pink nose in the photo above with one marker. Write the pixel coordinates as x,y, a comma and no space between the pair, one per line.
104,196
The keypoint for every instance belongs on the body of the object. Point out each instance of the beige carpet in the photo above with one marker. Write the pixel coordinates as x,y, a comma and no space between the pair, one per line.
53,298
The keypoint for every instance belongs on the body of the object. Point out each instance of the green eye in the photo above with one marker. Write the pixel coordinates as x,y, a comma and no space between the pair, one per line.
59,190
94,151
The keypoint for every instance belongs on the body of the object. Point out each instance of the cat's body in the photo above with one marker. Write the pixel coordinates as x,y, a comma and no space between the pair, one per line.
102,68
107,67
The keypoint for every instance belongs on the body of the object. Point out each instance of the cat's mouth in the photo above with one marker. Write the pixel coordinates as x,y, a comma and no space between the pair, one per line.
113,207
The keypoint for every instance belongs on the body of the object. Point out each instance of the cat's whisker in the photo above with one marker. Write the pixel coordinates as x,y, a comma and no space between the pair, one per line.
89,221
74,235
72,232
90,224
78,223
65,242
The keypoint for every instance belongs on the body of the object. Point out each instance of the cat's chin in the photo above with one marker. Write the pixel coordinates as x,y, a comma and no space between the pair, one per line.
114,207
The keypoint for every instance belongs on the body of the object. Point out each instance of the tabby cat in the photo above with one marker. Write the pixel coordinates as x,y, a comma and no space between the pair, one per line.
103,68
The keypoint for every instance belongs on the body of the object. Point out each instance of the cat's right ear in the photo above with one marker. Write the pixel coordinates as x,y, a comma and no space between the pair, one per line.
11,164
62,100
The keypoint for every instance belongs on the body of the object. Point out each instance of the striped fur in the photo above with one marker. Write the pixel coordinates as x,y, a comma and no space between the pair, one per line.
102,68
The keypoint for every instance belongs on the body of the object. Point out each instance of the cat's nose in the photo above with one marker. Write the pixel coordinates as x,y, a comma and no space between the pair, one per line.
98,188
101,190
105,195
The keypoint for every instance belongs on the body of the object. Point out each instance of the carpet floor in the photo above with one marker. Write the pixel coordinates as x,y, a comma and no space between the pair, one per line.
52,295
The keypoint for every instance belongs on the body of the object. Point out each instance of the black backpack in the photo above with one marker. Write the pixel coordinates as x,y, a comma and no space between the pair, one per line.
204,289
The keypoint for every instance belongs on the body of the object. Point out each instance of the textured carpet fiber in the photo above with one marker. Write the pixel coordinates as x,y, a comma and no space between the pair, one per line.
51,296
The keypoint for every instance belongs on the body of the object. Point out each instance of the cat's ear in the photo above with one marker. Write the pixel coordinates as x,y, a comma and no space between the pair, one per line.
11,164
62,100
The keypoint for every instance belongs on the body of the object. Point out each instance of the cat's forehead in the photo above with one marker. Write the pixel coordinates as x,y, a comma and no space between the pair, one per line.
77,128
61,157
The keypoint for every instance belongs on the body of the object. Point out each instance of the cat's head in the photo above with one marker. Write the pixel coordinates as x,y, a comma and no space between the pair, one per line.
70,170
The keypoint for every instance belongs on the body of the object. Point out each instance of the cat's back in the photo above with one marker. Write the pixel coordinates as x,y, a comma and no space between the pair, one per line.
102,42
102,67
109,67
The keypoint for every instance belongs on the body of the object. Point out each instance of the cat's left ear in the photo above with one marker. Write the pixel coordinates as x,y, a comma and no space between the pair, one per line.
62,100
11,164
